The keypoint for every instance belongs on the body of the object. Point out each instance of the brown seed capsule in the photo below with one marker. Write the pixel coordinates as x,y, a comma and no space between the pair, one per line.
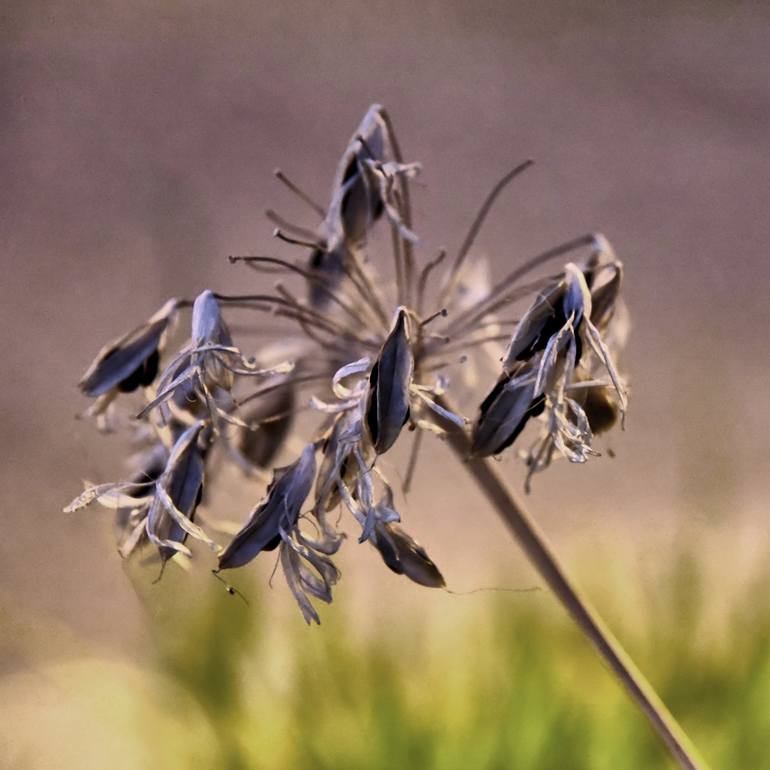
600,408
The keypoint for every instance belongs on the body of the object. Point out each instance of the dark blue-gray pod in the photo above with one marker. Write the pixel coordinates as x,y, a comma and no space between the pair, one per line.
132,360
505,411
387,408
278,511
405,556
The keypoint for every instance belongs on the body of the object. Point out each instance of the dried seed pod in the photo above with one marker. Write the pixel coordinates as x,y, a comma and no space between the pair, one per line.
600,408
273,417
544,318
363,189
177,494
153,463
405,556
208,326
276,514
209,329
130,361
358,203
387,408
505,411
562,303
185,488
355,203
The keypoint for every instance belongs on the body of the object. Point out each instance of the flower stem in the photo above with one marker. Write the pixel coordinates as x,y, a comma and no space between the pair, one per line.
543,557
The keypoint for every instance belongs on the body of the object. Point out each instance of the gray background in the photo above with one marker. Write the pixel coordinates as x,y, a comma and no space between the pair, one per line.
138,141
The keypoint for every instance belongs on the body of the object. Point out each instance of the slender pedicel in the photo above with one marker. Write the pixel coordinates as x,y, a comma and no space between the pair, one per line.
422,283
284,224
544,559
308,276
476,225
303,196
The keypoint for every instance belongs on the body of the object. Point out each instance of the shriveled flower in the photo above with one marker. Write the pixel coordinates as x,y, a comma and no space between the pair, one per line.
553,365
373,361
365,185
162,508
275,524
129,362
204,370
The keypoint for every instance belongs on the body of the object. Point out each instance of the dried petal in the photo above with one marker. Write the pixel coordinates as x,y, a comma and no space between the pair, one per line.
382,176
290,562
112,495
604,295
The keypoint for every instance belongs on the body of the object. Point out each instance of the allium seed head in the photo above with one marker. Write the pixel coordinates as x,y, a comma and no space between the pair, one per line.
369,361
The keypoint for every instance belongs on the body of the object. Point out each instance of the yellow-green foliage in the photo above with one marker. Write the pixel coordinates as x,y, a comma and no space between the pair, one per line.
503,681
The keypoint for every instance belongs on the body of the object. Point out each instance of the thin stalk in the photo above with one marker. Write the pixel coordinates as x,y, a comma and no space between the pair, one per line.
405,206
478,221
544,559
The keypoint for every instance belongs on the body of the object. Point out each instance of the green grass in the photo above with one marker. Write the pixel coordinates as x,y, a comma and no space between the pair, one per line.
499,681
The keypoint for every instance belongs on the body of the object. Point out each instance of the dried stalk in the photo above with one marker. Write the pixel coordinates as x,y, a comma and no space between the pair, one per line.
544,559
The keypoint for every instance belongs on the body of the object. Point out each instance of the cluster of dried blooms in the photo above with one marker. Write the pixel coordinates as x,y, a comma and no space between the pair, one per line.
371,363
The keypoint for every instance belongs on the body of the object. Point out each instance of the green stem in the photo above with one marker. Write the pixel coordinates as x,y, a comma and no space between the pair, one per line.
543,557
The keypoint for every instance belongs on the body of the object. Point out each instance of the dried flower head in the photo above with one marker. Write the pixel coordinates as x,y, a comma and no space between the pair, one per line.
372,360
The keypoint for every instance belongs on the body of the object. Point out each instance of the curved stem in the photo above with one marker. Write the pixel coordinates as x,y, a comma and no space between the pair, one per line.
544,559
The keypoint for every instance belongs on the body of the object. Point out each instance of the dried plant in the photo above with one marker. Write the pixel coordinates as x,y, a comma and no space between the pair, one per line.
374,359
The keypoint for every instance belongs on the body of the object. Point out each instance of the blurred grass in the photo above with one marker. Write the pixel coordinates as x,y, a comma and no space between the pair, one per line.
500,681
488,681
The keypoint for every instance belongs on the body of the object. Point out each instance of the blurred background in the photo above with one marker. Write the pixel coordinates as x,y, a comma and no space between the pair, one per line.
138,143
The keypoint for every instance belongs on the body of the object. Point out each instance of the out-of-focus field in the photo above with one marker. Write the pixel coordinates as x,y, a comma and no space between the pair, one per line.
138,141
491,681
